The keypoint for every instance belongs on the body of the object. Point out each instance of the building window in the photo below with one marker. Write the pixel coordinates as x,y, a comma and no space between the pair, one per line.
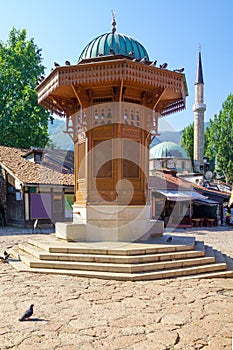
102,158
131,156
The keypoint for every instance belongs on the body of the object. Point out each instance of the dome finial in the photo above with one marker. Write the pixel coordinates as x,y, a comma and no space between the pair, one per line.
113,22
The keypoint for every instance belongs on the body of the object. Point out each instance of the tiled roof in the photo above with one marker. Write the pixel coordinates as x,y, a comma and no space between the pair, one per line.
27,172
164,180
207,190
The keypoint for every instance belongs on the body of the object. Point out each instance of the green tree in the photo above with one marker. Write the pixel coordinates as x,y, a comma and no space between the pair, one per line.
219,140
23,123
187,140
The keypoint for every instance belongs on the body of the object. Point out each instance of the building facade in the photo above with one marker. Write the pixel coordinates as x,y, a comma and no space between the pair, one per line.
35,185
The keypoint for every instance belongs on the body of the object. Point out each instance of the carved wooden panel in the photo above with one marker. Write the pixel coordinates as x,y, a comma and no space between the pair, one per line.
105,132
81,166
131,133
101,77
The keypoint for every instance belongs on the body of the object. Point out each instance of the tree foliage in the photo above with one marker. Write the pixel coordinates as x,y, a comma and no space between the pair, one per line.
219,139
23,123
187,140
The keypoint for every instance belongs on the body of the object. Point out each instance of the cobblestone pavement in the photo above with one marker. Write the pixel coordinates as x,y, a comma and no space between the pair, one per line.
73,313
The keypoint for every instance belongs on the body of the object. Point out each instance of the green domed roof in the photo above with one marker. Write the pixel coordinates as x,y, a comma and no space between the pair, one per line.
167,150
119,44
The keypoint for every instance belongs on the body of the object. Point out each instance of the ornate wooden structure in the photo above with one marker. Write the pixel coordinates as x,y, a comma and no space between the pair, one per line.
112,103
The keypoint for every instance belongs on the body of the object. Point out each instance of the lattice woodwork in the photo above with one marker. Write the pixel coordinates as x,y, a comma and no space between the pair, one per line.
109,81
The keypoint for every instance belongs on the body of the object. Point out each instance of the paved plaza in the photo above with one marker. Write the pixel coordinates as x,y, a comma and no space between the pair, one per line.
73,313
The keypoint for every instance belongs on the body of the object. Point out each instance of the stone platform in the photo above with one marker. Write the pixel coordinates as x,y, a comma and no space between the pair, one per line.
154,258
74,312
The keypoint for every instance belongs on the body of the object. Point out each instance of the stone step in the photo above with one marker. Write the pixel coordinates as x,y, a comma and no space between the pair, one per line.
209,251
214,274
153,246
122,259
229,262
34,262
208,269
220,259
219,256
115,260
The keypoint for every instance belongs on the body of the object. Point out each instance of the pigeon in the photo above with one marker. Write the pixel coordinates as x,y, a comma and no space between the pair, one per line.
27,314
6,255
163,66
4,258
56,64
179,70
67,63
112,52
131,54
143,60
169,239
153,64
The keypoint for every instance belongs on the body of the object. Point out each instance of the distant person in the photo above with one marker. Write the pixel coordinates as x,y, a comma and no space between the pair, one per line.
231,217
228,216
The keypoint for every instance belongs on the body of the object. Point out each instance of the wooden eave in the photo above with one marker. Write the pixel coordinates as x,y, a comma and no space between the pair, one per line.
66,88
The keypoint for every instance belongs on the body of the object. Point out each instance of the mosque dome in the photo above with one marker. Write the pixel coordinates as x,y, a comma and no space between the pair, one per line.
114,43
167,150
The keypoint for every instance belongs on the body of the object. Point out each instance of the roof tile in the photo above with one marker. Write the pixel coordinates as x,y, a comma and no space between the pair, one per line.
28,172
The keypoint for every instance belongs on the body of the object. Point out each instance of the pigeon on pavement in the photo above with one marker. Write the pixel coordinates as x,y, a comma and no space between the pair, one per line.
169,239
4,258
6,255
27,314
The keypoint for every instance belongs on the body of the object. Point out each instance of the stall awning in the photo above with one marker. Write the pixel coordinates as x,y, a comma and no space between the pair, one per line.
180,196
206,202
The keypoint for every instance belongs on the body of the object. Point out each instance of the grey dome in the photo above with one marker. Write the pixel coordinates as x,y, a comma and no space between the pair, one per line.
167,150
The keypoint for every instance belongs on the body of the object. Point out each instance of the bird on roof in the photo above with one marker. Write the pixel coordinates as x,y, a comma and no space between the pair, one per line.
131,54
163,66
179,70
67,63
56,64
136,59
143,60
153,64
112,52
41,78
27,314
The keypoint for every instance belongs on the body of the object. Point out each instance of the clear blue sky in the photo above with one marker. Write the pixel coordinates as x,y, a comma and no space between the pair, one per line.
171,31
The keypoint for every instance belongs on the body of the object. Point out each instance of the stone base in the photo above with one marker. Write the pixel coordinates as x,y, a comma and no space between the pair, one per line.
110,223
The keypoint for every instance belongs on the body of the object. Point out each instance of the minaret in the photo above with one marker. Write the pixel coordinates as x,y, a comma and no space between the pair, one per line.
199,109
